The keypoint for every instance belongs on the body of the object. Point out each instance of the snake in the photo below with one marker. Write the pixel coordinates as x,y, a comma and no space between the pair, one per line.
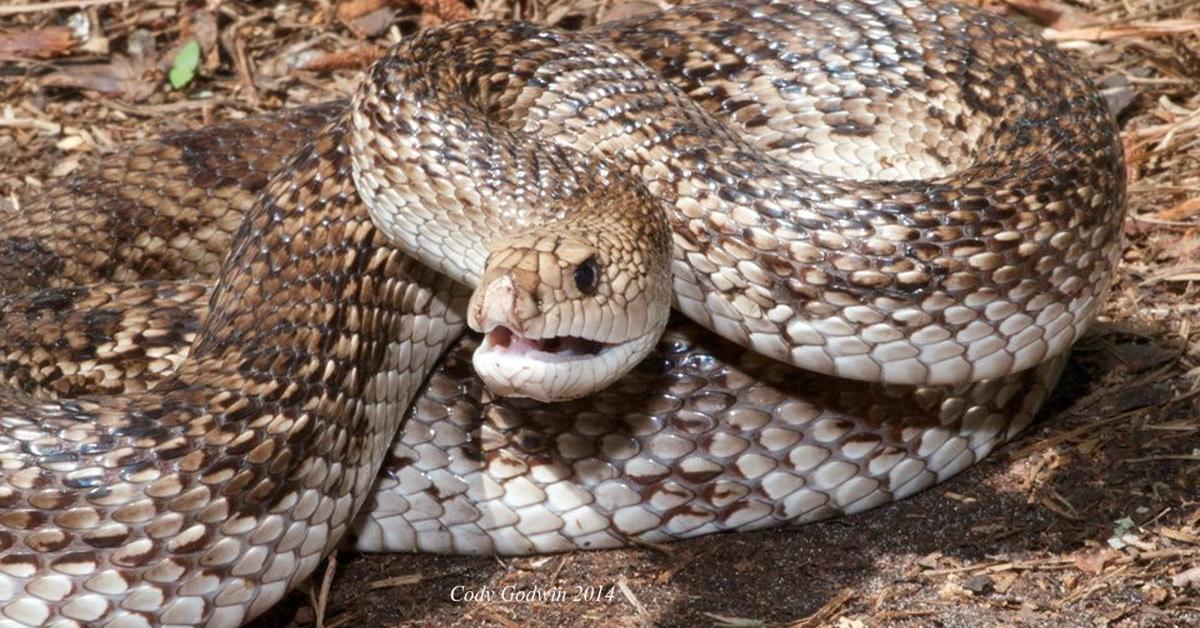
230,348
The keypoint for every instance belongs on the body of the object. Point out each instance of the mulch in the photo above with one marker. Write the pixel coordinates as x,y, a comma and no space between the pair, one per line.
1091,518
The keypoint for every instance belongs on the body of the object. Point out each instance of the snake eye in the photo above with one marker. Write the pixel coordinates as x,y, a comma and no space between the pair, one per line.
587,276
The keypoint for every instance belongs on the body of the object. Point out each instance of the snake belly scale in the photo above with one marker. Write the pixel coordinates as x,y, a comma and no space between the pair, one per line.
912,186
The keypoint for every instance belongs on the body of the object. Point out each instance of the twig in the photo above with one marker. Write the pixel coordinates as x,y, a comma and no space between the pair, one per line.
396,581
1061,563
1120,31
235,46
152,111
623,585
661,548
54,6
1178,273
557,570
321,602
1165,457
823,615
31,123
1059,439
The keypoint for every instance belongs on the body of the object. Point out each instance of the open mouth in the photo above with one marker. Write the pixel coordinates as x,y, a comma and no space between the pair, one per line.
502,340
551,369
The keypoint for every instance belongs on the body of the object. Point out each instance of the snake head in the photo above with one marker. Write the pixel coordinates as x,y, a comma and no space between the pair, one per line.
563,315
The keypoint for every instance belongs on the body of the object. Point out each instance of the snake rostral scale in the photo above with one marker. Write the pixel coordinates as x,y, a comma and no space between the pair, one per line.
212,344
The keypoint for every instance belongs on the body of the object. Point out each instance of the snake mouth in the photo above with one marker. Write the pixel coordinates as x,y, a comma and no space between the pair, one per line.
555,349
557,368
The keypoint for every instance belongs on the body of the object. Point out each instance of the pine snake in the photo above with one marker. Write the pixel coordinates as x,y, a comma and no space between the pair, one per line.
213,344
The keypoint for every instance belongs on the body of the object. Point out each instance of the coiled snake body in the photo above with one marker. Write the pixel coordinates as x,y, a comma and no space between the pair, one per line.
912,195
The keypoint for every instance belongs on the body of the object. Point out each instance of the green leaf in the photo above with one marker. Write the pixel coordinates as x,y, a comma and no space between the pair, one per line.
183,69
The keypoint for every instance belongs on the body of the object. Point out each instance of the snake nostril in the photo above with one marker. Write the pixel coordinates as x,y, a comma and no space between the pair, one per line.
587,276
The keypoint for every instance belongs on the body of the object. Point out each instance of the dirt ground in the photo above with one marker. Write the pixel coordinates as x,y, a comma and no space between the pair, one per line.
1091,518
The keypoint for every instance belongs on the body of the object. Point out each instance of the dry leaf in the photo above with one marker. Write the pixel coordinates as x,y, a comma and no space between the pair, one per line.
202,26
980,584
1118,93
350,59
350,10
1182,536
629,8
41,44
954,592
930,561
999,7
1189,578
128,77
70,143
65,167
1054,14
367,18
1094,561
438,11
1005,581
1180,212
372,24
1157,595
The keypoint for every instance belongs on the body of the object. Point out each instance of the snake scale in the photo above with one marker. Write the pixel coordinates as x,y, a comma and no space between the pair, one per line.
214,338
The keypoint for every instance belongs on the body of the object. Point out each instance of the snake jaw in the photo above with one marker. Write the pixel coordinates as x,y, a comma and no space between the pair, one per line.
553,349
557,368
517,359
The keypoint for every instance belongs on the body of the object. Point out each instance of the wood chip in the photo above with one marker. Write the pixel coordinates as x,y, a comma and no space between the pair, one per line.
39,44
127,77
1189,578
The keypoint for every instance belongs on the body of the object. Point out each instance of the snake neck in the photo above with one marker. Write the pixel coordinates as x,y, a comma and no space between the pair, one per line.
570,256
427,114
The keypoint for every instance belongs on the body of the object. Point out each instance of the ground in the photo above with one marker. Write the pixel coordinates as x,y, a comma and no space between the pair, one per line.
1091,518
